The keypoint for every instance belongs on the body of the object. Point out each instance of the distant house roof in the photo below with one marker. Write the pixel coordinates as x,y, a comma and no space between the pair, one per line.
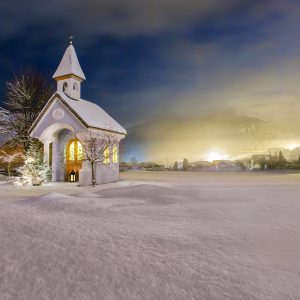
261,157
90,114
69,65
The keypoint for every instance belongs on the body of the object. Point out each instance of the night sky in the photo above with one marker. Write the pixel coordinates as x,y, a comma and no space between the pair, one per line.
183,77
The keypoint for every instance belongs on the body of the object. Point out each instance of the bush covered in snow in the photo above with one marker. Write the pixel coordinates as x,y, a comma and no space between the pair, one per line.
35,171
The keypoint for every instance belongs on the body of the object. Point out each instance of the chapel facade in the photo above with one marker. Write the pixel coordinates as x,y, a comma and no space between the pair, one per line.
65,116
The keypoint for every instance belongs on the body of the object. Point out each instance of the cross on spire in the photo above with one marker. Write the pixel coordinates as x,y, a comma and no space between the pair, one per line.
71,38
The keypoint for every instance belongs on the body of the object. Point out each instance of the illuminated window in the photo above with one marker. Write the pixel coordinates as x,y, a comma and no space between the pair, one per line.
72,151
115,154
75,151
79,151
50,154
106,156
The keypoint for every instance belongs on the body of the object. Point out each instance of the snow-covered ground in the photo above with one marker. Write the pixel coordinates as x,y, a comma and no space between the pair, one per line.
153,235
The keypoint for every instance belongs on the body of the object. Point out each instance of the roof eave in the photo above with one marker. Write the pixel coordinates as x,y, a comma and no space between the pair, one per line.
48,104
66,76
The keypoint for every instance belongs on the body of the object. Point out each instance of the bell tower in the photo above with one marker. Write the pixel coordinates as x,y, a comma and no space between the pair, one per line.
69,74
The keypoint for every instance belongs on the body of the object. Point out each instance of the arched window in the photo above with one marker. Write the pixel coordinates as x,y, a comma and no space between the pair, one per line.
79,151
65,86
106,156
72,151
115,154
50,154
75,151
75,86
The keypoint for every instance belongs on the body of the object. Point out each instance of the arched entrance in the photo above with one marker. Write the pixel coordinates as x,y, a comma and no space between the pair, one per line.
74,157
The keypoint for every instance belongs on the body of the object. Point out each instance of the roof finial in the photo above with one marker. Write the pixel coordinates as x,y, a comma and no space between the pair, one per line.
71,38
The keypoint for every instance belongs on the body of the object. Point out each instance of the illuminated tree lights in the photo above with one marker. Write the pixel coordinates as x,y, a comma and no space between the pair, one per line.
35,171
9,158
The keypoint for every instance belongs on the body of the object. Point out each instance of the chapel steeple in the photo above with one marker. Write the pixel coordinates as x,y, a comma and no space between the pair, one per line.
69,74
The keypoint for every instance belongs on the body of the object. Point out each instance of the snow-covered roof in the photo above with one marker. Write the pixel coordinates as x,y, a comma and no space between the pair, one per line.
92,114
69,64
88,113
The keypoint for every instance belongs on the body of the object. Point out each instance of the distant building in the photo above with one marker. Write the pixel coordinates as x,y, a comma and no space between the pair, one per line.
261,157
200,164
180,164
290,155
226,165
260,161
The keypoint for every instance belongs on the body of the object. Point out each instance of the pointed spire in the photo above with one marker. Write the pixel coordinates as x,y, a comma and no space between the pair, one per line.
69,64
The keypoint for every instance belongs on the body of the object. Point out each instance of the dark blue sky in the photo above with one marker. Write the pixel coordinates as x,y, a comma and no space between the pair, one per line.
165,69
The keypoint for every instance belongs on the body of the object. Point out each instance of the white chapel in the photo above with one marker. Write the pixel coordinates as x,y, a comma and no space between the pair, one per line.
66,114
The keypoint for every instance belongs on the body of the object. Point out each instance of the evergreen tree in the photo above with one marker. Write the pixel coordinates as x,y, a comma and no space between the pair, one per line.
35,171
175,167
133,161
281,159
185,165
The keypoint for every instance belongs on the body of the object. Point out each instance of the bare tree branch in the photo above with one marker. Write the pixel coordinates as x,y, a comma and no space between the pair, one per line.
26,95
9,158
98,147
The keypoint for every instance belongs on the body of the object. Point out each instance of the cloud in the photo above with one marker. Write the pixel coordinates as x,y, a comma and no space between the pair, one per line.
172,70
239,99
124,17
174,139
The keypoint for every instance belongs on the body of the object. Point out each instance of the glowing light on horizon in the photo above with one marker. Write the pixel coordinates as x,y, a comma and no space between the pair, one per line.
212,156
292,146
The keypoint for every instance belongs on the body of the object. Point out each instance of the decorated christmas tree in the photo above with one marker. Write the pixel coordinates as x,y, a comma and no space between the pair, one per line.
35,171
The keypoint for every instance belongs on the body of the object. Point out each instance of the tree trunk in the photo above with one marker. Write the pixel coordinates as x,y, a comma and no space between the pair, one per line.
8,170
93,173
26,146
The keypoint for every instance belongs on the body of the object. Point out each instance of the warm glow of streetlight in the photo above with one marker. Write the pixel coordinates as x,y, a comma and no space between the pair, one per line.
292,146
212,156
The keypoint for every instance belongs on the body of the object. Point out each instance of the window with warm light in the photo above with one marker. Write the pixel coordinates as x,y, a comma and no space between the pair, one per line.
115,154
50,154
75,151
72,151
73,155
79,151
106,156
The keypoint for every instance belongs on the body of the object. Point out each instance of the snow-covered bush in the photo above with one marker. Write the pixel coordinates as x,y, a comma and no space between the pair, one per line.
35,171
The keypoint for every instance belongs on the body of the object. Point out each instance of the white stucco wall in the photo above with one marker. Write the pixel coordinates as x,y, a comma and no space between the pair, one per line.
107,173
103,173
48,126
59,131
69,89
